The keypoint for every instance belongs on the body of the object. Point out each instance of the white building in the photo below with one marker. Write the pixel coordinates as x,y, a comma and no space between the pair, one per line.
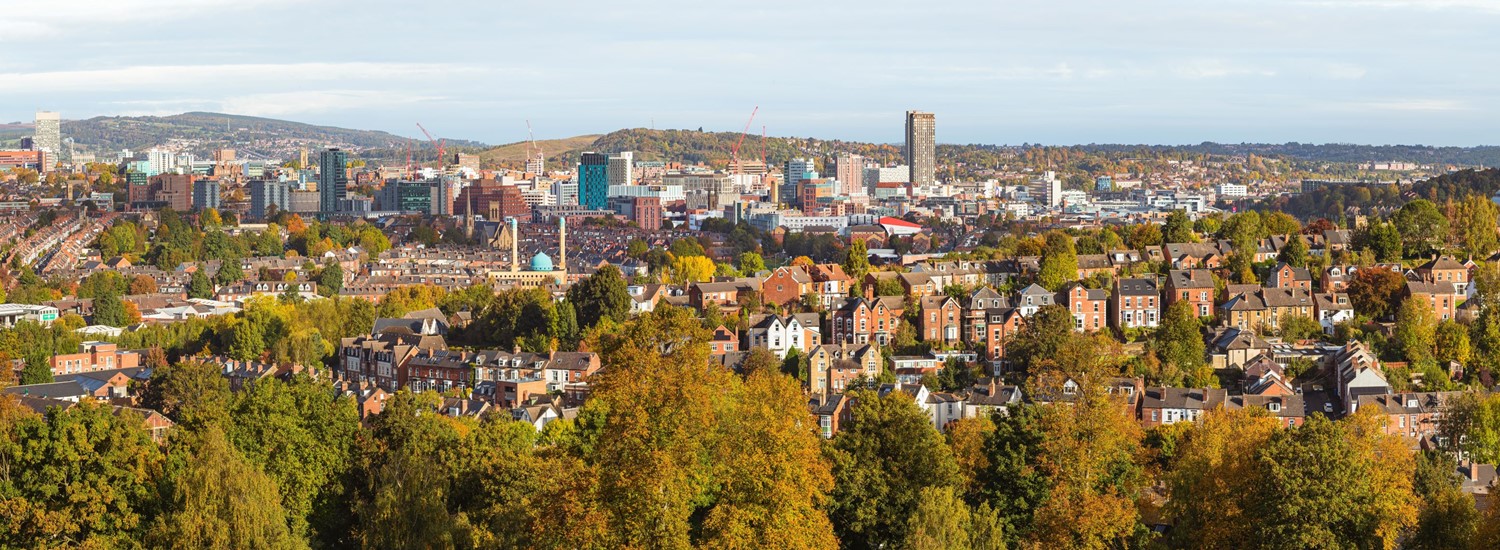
1232,190
621,168
160,161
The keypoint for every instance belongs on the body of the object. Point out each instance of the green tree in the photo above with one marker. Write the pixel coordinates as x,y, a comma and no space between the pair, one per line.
941,522
857,261
1327,485
85,475
331,280
601,296
1294,252
214,498
1039,339
1178,344
1298,327
109,310
1448,518
1178,228
637,249
1280,223
199,287
882,461
1422,227
1451,343
1384,240
192,393
1059,262
1478,219
751,263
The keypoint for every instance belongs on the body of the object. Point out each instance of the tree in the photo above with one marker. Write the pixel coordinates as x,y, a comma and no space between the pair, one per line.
214,498
1451,343
331,280
966,437
1470,424
1298,327
1294,252
109,310
601,296
229,272
1448,518
1422,227
691,269
857,261
1214,467
1059,262
882,461
942,522
1416,330
38,370
1374,291
760,359
686,247
142,284
773,475
1384,240
637,249
1039,339
1178,344
1478,218
751,263
1178,228
199,287
1090,453
1280,223
83,474
192,393
1328,485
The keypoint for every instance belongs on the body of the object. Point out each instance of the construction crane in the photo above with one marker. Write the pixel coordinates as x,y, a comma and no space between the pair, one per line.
439,144
533,153
736,152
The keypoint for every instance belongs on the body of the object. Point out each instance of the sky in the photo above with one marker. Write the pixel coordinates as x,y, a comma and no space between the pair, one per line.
996,71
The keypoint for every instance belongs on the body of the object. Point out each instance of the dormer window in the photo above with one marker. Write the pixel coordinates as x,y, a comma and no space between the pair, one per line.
1274,407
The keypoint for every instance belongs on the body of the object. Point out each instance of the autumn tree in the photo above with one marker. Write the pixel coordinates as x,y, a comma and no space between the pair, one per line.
1215,466
1375,291
142,284
1416,330
1422,227
857,261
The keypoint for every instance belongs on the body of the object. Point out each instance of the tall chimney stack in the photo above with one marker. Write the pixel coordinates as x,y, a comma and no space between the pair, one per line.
562,245
515,247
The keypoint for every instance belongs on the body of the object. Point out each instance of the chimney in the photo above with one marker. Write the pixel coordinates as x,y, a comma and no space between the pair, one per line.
562,245
515,247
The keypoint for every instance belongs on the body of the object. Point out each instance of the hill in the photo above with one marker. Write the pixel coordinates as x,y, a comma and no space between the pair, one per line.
203,132
1336,200
513,153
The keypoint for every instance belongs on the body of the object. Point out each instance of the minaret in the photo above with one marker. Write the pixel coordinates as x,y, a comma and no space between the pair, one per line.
515,248
562,245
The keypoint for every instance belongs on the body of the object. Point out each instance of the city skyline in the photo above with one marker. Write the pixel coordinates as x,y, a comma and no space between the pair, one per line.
1357,71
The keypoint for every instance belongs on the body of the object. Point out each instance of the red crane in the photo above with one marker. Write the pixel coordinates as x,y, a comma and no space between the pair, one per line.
736,152
438,144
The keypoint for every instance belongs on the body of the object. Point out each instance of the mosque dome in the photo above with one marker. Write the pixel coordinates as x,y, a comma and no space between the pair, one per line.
541,262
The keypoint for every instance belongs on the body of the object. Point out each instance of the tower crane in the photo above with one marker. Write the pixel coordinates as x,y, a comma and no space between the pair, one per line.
439,144
736,152
533,153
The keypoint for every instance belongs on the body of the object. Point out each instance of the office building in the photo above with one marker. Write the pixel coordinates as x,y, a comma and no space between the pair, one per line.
621,168
333,180
921,147
1232,190
206,194
268,196
564,193
492,200
795,171
406,196
593,181
48,136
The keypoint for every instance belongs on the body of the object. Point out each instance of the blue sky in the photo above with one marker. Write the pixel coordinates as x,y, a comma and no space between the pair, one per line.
1008,72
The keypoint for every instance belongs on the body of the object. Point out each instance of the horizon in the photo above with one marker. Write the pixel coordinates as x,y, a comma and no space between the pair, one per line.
1083,72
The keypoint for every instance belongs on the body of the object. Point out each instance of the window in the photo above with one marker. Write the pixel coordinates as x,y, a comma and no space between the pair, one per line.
1154,416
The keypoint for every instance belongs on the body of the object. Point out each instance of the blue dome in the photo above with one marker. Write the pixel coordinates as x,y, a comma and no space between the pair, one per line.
541,262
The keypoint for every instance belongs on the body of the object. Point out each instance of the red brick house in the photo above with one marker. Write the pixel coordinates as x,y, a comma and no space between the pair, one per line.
942,319
786,285
723,341
1195,286
1090,307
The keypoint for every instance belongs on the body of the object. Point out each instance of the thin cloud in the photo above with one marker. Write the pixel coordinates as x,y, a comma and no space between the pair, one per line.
157,77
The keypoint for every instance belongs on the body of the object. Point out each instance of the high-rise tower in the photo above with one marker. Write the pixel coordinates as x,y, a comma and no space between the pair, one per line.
48,136
333,180
593,181
921,147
